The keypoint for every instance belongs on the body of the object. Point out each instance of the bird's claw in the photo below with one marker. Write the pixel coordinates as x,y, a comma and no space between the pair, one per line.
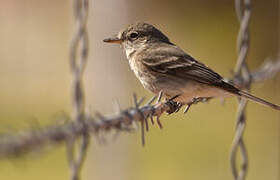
173,105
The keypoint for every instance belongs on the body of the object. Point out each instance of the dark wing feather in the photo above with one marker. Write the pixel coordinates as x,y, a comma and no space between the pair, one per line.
172,61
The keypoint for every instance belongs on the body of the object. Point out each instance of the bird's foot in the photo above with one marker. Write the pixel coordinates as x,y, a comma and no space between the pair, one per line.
173,105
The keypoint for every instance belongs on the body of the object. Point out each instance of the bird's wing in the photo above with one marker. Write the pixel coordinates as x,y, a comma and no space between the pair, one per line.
173,61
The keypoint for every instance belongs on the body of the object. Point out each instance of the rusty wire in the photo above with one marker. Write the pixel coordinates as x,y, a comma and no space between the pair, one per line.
78,59
29,141
243,11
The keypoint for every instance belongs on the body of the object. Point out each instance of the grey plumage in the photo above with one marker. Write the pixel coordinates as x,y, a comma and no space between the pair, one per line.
162,66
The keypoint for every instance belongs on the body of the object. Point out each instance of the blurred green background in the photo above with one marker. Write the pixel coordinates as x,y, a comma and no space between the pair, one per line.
35,86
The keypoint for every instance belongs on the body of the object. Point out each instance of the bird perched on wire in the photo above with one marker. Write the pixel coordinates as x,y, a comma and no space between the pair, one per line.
161,66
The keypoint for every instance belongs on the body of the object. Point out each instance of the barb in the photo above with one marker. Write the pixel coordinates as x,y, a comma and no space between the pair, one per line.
78,60
140,117
243,11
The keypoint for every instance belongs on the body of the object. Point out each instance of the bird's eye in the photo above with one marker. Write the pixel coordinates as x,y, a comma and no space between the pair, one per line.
133,35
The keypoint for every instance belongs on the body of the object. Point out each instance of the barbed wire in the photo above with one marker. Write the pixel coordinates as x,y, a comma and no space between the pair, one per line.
24,142
78,59
17,144
243,11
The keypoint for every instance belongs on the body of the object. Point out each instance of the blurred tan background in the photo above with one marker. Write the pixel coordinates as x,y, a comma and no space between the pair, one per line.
35,86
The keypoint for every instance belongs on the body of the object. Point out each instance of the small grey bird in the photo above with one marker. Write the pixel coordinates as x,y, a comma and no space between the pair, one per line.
162,66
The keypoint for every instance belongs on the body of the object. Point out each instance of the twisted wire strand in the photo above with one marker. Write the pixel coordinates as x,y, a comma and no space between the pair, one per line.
243,11
78,60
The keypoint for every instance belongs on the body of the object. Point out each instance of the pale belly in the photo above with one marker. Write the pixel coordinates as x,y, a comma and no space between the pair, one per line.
170,86
186,89
196,90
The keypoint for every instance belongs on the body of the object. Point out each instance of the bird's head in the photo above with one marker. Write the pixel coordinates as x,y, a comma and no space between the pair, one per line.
138,35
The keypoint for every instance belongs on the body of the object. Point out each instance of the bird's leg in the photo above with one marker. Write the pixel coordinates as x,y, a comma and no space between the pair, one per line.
159,96
195,101
173,107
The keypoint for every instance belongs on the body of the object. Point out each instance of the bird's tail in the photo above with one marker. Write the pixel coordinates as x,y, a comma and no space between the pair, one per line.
258,100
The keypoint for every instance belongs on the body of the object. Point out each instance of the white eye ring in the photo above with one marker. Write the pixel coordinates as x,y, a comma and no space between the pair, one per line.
133,35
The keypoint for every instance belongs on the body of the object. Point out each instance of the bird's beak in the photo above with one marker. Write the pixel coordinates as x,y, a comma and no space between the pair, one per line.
114,39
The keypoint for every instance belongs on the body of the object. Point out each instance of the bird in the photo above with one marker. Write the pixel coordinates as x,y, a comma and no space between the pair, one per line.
163,67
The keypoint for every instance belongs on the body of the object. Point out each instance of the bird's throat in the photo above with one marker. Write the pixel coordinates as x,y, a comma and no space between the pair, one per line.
129,52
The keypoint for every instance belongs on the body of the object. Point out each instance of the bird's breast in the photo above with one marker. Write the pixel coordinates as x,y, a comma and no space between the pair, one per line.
137,68
142,73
